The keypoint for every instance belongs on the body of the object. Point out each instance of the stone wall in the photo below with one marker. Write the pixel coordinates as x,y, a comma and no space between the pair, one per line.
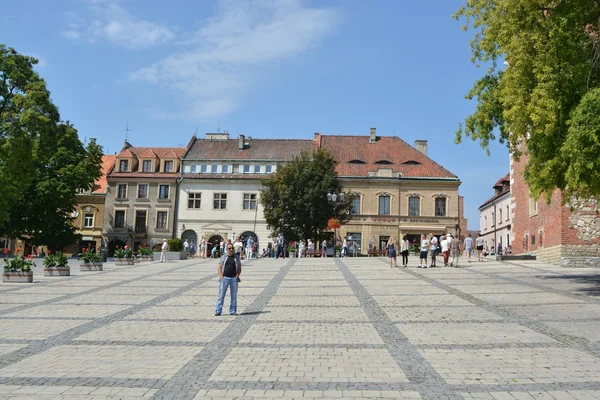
586,255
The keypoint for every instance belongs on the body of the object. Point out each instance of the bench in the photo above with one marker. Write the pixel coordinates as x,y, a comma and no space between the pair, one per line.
378,252
313,253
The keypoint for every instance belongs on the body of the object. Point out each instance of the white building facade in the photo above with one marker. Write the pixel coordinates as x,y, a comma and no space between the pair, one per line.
495,217
219,187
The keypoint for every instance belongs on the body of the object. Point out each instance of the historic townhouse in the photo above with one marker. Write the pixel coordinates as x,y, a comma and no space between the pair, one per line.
220,185
495,217
141,196
89,212
398,190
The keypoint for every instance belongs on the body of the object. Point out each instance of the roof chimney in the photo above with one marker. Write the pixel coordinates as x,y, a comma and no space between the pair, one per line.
241,142
373,136
421,145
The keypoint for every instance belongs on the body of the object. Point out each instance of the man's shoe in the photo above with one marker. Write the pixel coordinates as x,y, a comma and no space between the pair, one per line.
217,314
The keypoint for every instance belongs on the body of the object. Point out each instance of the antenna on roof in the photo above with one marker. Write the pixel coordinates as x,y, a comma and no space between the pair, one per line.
196,132
127,130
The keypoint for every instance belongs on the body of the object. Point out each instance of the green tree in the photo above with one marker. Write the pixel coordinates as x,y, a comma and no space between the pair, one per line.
544,96
42,162
295,197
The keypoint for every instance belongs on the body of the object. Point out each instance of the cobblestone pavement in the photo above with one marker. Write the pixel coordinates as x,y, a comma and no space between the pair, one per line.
308,328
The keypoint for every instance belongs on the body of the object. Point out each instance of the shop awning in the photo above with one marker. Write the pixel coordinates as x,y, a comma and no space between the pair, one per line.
423,228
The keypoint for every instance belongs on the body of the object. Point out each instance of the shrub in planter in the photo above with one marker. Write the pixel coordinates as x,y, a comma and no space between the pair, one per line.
175,244
90,260
18,269
124,256
56,265
145,253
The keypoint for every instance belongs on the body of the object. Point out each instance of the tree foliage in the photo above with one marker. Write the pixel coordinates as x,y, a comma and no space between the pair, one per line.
43,164
295,197
542,98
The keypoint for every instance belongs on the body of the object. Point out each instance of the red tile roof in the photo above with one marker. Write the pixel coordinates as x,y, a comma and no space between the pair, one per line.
149,153
501,181
160,152
255,149
100,184
403,157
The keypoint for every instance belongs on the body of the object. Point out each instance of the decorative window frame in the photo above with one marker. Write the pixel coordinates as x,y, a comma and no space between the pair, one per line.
137,192
168,192
421,198
124,209
361,196
440,196
387,194
141,165
166,228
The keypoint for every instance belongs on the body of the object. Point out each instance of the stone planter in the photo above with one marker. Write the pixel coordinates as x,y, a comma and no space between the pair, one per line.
146,258
124,261
17,277
57,271
97,266
172,255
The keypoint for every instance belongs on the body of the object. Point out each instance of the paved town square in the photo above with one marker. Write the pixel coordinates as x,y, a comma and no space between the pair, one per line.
307,328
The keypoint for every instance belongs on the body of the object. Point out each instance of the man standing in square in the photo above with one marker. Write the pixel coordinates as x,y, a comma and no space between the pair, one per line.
229,269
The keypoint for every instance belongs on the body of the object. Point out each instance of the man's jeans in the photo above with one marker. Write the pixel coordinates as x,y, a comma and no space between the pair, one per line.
232,283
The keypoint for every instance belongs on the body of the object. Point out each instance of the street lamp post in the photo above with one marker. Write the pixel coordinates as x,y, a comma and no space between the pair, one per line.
336,199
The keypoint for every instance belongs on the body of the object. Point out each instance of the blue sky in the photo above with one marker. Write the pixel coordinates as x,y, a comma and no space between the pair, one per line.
266,69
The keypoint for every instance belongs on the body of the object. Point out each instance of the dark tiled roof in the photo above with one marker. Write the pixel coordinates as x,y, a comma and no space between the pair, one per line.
499,184
387,148
505,178
495,197
255,149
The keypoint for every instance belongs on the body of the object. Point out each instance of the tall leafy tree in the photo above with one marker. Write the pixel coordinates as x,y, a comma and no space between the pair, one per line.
43,164
295,197
541,88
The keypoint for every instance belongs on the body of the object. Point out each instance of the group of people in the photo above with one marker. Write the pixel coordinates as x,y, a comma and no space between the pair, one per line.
448,246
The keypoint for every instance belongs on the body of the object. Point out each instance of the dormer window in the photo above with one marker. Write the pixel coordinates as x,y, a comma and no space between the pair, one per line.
213,168
124,166
411,162
147,166
383,162
356,162
169,166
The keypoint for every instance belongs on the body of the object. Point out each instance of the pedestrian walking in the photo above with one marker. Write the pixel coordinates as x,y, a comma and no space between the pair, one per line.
404,247
309,248
455,250
479,243
469,247
445,246
433,248
229,270
424,251
163,251
324,248
391,249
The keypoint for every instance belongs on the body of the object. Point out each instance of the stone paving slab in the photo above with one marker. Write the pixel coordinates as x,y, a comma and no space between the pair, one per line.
307,329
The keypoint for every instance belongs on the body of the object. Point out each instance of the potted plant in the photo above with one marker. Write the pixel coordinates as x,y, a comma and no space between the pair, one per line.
337,250
90,260
145,253
56,265
124,256
18,269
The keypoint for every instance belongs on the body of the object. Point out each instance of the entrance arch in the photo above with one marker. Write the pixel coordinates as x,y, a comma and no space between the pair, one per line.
245,237
112,245
212,242
190,236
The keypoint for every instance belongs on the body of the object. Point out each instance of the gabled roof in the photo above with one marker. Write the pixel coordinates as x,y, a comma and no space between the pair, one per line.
347,149
160,152
149,153
100,184
125,153
255,149
502,180
498,184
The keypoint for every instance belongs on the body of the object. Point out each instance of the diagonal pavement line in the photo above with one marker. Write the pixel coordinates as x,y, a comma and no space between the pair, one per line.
570,341
65,337
69,296
193,377
416,368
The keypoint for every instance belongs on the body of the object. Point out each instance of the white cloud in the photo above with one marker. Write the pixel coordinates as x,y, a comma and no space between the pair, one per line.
233,51
113,23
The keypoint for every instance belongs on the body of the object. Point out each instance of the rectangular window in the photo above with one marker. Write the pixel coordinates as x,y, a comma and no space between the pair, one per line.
161,220
414,206
500,217
119,219
140,221
220,201
485,222
213,168
146,166
88,221
384,205
123,166
122,191
257,169
532,207
168,166
249,201
532,239
440,207
355,205
193,168
354,243
203,168
507,212
143,191
163,191
224,169
246,169
268,169
493,220
194,200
